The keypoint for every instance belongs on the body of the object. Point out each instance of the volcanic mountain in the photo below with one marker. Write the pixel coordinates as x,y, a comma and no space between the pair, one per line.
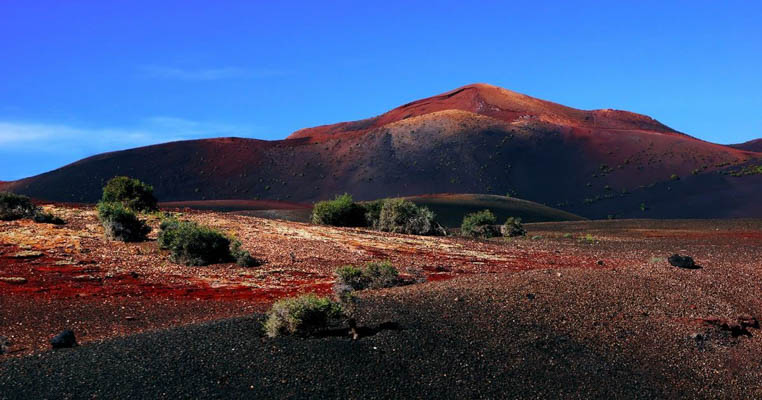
475,139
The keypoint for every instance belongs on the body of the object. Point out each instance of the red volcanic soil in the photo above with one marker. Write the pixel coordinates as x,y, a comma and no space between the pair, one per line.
75,278
104,289
475,139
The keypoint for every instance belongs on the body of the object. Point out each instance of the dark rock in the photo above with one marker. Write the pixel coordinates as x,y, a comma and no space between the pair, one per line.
64,339
600,262
679,261
4,343
530,296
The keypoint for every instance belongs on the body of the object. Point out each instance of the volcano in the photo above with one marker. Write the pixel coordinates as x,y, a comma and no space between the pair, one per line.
475,139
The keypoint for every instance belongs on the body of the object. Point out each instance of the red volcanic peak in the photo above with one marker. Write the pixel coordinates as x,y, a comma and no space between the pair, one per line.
498,103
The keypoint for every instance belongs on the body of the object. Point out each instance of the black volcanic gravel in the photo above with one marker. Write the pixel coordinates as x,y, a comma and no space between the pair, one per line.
452,344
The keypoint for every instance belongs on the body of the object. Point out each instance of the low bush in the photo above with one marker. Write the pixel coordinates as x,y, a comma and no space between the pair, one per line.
14,206
242,257
47,218
402,216
373,212
480,224
351,277
193,244
341,211
303,315
381,275
121,223
375,275
131,193
513,227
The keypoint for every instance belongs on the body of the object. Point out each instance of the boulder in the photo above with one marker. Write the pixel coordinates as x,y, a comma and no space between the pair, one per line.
63,340
4,344
679,261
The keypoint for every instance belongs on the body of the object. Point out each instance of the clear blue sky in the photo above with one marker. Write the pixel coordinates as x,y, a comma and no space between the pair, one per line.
83,77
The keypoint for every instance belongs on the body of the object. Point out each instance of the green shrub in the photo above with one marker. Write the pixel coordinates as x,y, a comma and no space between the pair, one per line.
381,275
373,212
375,275
168,232
513,227
402,216
14,206
47,218
242,257
352,277
341,211
193,244
303,315
131,193
480,224
121,223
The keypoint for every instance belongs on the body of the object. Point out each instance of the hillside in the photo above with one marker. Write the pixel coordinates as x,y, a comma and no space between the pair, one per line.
451,208
476,139
448,208
752,145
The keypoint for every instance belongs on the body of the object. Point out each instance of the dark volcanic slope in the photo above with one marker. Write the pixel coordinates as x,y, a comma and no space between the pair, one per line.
752,145
476,139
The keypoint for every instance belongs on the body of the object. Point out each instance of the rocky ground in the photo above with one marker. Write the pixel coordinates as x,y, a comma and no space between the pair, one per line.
575,309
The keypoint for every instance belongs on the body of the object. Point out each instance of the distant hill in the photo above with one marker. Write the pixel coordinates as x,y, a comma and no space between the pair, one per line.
752,145
475,139
449,209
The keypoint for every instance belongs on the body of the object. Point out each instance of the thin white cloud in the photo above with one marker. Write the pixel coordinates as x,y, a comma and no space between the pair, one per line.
43,138
207,74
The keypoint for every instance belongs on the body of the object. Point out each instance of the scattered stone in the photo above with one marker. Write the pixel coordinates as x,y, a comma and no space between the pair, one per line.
679,261
4,344
130,318
27,254
66,262
13,280
63,340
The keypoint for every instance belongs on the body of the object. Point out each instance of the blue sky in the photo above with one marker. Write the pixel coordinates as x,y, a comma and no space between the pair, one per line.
83,77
